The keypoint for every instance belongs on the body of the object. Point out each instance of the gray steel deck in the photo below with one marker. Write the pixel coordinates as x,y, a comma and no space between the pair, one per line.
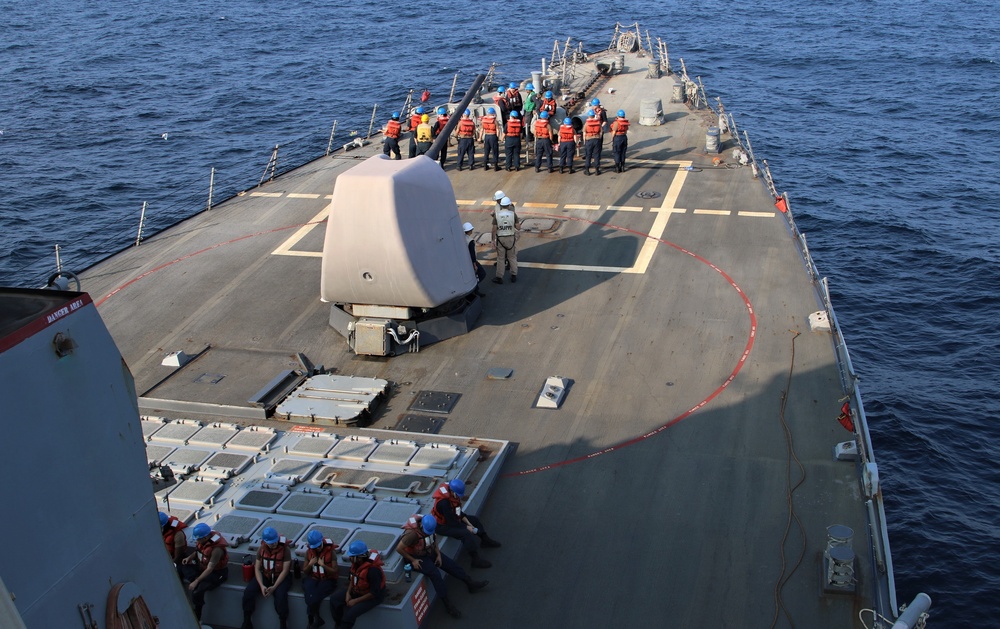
683,528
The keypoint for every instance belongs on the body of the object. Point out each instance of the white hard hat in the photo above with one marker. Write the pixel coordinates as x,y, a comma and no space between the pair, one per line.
498,195
504,202
467,227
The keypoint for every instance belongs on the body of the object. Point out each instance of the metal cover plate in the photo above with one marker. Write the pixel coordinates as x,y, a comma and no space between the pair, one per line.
379,540
291,530
393,453
187,458
420,424
292,468
305,505
252,439
313,446
391,513
215,436
237,525
176,433
156,454
348,509
150,427
330,397
261,500
234,463
438,456
338,534
435,402
193,491
353,449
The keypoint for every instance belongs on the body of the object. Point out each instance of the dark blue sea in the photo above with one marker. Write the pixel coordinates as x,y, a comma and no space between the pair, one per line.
878,117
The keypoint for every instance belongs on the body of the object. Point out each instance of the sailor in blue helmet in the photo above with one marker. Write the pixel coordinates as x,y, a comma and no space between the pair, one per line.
602,115
490,133
419,546
453,521
365,589
392,131
593,140
319,574
207,567
415,119
619,140
272,572
568,139
514,100
543,141
438,129
548,103
531,101
466,140
512,141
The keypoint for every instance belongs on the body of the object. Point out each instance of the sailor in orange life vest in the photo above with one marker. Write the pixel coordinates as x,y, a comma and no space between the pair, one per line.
419,546
466,140
505,235
512,143
619,140
272,577
319,575
174,537
490,135
543,141
415,118
465,527
392,131
442,120
593,138
365,589
568,138
207,567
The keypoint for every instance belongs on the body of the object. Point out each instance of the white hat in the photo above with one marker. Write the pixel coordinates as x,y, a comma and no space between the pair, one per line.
498,195
505,202
467,227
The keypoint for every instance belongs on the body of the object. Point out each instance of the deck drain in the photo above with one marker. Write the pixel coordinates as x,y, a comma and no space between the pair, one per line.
647,194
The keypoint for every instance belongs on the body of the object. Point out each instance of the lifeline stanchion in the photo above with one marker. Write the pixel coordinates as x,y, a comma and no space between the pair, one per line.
371,125
211,188
329,145
142,221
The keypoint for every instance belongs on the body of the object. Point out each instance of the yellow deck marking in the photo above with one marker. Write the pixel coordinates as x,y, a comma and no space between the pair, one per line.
624,208
582,207
285,248
757,214
547,206
302,195
266,194
715,212
465,201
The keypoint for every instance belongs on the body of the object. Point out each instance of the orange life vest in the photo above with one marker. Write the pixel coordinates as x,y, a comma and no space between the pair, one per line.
490,125
514,99
466,128
845,418
445,499
592,127
392,129
566,133
542,129
620,126
324,552
549,105
514,127
441,122
414,121
207,545
424,542
170,530
271,557
359,574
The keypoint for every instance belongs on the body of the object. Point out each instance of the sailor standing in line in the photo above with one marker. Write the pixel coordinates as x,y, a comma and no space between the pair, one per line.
514,100
512,143
568,138
320,573
272,572
593,138
543,141
415,119
391,142
442,120
530,104
490,135
207,567
505,236
424,135
619,140
466,140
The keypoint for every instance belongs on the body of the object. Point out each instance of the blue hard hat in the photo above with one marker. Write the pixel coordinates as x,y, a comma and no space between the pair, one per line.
457,486
269,535
548,94
590,112
315,539
420,110
357,548
164,518
468,112
543,115
201,531
429,523
567,121
595,102
514,114
513,85
442,111
492,111
395,115
530,87
621,113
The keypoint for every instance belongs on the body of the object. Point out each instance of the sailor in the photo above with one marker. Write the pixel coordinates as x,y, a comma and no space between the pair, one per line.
543,141
466,140
500,100
530,105
415,120
320,572
602,114
442,120
174,537
619,140
365,589
391,132
476,266
207,567
424,135
512,142
593,138
272,572
497,197
514,100
419,546
454,522
548,104
489,135
568,138
505,236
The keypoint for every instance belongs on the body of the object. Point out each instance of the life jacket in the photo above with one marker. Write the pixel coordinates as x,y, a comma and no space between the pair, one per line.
444,498
324,552
506,220
620,126
549,105
501,101
359,574
542,129
424,542
414,121
424,133
170,530
207,545
566,133
466,128
601,115
514,98
439,125
271,557
845,418
592,127
490,125
514,127
392,129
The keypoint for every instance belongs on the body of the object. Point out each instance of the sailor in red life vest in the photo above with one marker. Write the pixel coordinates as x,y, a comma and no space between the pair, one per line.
593,139
503,106
391,132
548,104
319,574
419,546
543,141
512,142
514,100
207,567
272,572
602,114
442,120
415,119
619,140
568,137
174,537
365,589
490,135
466,140
454,522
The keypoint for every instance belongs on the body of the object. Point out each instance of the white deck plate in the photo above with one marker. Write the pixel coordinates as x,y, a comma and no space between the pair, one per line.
304,505
176,432
333,397
195,492
186,458
398,453
213,436
437,456
250,439
238,525
156,454
149,428
313,446
347,509
393,514
354,449
231,462
292,468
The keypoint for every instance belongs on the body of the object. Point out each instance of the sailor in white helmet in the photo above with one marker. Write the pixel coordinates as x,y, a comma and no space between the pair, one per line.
496,199
505,235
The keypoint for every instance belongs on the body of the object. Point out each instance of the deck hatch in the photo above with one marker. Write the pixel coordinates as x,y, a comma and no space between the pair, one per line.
340,399
215,435
435,402
313,446
261,500
437,456
348,509
176,432
420,424
156,454
393,453
291,471
337,534
354,449
225,465
252,439
186,460
237,525
196,492
305,505
388,513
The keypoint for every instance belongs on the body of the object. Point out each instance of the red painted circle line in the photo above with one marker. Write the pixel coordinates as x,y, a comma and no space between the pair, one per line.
586,457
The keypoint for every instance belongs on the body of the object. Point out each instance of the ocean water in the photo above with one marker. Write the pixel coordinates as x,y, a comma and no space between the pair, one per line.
879,118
